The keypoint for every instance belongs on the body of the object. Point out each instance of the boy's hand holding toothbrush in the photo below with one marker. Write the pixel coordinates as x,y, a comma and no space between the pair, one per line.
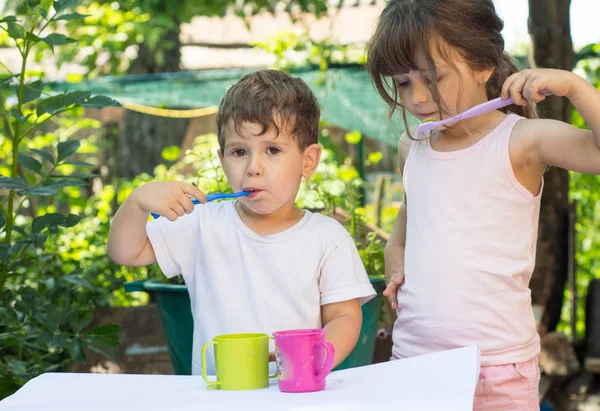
171,199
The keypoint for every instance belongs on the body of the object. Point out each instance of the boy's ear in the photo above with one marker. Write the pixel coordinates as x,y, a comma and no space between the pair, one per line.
220,153
311,158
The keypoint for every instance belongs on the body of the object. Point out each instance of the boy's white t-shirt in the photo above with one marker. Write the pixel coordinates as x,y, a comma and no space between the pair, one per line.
240,281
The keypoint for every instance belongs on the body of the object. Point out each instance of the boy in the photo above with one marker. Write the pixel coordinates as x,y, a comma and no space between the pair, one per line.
258,264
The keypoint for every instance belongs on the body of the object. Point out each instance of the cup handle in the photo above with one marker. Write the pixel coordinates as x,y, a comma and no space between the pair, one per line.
330,350
203,355
277,371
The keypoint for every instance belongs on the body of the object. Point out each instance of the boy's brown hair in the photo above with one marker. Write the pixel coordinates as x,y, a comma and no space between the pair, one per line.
274,100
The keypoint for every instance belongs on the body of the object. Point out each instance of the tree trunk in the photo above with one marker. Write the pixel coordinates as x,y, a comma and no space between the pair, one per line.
549,27
138,147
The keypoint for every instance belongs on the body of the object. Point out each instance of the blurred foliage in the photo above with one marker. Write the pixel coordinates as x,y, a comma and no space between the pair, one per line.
113,30
292,50
585,191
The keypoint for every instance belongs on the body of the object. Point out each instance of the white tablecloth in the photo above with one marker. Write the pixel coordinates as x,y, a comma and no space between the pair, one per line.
440,381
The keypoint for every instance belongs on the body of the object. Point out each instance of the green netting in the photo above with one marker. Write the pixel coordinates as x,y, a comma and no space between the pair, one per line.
347,97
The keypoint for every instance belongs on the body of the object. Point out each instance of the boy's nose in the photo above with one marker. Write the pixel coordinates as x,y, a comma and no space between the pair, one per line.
255,167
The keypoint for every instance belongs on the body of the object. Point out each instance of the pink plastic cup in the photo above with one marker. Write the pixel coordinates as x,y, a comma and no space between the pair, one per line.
304,359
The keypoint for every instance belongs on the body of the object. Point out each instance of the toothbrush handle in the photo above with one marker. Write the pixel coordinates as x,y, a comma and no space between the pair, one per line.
194,201
212,197
491,105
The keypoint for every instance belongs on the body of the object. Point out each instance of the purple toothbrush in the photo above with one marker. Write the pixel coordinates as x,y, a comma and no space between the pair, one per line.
495,104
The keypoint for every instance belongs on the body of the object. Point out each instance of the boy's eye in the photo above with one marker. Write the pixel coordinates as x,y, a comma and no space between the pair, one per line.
273,150
401,83
238,152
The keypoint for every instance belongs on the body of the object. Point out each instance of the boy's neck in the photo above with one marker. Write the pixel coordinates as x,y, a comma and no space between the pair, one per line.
268,224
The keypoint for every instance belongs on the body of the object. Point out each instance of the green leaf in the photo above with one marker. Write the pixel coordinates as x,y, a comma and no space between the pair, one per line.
100,102
72,16
19,116
6,80
40,191
33,38
71,221
104,336
16,31
17,367
81,319
103,352
78,175
60,5
57,39
32,91
60,181
2,218
67,149
20,231
8,19
79,281
58,342
18,246
47,220
58,316
30,163
63,101
75,352
38,239
54,104
44,154
12,183
4,252
78,163
171,153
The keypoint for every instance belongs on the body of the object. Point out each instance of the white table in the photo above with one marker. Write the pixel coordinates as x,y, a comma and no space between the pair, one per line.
440,381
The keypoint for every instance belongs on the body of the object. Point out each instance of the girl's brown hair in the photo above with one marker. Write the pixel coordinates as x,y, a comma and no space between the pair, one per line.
409,27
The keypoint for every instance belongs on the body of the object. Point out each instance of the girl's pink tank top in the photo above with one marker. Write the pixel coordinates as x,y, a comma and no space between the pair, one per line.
470,253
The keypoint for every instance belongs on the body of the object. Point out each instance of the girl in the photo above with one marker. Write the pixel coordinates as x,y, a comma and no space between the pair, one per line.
463,248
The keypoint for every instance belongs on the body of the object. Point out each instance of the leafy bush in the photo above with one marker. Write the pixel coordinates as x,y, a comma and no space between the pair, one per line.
47,299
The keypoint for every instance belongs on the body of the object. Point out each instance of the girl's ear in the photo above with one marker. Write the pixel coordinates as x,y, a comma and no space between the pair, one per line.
484,76
310,159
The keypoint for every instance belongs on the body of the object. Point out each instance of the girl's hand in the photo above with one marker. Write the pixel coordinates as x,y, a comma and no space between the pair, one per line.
391,291
170,199
526,86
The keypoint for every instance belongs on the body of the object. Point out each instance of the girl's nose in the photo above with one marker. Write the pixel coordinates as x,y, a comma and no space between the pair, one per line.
420,93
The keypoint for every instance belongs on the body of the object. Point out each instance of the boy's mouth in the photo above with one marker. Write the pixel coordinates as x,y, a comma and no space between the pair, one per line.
254,191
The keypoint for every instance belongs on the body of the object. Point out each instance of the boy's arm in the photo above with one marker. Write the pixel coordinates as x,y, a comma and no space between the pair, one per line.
342,322
128,243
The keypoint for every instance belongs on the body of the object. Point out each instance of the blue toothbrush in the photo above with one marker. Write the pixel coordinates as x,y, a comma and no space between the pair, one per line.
215,196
